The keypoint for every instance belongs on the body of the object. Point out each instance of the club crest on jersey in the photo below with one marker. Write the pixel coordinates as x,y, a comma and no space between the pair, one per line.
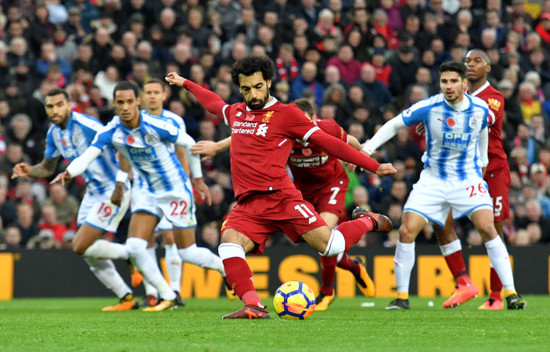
494,104
450,122
267,116
150,138
473,122
130,140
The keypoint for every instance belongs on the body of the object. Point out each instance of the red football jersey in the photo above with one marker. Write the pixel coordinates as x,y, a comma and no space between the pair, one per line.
495,101
261,141
311,166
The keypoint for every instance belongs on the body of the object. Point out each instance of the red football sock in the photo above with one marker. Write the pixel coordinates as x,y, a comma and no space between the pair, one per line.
355,229
496,285
347,263
328,268
455,262
239,276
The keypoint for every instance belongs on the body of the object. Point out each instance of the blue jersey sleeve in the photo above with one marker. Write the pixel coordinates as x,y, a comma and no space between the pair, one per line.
418,112
51,149
104,138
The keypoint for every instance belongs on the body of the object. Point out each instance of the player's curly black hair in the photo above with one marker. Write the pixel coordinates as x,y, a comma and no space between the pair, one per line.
453,66
252,64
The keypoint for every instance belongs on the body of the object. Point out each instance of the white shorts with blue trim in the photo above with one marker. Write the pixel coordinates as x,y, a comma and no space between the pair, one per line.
177,206
163,225
99,212
432,197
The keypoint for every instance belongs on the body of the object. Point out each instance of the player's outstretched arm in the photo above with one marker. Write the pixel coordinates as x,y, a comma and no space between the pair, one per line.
78,165
384,134
343,151
209,148
209,100
45,168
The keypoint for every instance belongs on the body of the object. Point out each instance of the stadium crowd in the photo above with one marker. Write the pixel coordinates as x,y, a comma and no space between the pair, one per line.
359,62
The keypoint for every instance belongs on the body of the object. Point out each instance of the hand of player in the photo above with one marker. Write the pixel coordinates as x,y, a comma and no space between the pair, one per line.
21,170
62,177
206,148
118,194
421,129
351,167
203,190
174,79
386,169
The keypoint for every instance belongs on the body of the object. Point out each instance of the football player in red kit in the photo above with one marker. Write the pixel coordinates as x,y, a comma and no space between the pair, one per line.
262,131
323,182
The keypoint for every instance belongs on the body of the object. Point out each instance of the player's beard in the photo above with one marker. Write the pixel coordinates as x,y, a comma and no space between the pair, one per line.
257,104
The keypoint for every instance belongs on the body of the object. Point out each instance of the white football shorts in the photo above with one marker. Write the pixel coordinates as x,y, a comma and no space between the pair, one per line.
177,206
99,212
432,197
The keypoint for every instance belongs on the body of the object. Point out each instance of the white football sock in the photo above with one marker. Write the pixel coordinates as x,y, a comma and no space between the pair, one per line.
450,248
202,257
102,249
150,290
500,261
137,250
336,244
173,265
106,273
403,263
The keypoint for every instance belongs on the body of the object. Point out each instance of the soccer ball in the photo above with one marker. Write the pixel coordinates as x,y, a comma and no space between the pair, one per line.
294,300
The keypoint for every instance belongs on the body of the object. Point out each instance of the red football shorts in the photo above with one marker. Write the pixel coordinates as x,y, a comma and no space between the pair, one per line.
331,198
498,181
259,215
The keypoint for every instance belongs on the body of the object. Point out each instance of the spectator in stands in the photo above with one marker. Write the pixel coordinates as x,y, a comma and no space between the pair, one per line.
209,236
403,71
106,81
533,214
350,69
49,221
529,103
11,240
25,222
20,133
307,79
7,207
375,91
41,29
65,48
66,205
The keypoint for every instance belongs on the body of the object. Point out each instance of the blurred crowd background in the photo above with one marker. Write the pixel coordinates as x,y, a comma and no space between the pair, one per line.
360,62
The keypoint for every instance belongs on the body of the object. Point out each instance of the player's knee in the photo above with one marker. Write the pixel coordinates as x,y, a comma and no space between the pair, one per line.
79,247
487,231
406,235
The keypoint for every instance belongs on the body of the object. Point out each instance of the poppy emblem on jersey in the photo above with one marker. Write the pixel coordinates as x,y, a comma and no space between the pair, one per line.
450,122
306,151
130,140
250,117
64,142
150,138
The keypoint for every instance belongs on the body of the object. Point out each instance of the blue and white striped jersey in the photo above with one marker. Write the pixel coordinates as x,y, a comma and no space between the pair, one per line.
452,134
73,140
150,150
177,121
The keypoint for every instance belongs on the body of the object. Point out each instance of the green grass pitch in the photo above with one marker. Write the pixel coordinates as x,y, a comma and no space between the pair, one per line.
78,324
